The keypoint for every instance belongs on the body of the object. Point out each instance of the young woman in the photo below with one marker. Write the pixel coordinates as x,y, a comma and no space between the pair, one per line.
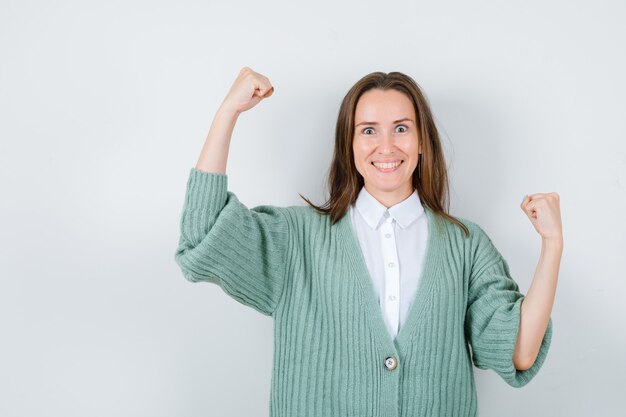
381,300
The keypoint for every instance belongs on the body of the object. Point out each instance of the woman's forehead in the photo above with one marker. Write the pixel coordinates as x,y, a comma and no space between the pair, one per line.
377,106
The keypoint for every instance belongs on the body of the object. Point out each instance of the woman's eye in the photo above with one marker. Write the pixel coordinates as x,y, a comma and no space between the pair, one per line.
369,128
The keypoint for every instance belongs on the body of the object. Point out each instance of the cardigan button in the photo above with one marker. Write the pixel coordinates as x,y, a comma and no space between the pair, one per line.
391,363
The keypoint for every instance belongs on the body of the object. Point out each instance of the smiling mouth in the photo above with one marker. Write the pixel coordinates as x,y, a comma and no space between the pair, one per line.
387,167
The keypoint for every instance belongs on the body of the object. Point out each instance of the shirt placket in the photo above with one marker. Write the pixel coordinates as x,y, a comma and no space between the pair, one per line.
391,300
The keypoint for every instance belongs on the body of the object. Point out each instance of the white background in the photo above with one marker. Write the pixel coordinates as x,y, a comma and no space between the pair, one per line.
104,107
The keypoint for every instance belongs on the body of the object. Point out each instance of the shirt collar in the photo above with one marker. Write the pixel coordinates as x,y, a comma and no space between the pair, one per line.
373,211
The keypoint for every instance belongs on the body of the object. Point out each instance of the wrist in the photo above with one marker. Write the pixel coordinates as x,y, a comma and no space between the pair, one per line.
552,243
227,112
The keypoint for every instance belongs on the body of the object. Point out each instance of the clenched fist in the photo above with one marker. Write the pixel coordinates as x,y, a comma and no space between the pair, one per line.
544,212
247,91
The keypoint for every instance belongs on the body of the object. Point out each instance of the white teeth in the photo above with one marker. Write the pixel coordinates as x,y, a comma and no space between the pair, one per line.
385,166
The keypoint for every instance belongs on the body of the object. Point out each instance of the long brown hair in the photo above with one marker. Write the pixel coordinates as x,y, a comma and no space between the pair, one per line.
430,178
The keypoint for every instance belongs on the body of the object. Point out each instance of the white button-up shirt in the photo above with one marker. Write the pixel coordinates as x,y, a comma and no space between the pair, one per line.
393,242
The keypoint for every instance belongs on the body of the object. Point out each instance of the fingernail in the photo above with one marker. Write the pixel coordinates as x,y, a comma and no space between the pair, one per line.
524,199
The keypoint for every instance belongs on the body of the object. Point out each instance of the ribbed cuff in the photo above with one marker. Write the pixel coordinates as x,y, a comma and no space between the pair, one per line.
206,191
521,378
503,345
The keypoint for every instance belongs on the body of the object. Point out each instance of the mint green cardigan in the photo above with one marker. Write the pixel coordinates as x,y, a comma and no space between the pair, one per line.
331,346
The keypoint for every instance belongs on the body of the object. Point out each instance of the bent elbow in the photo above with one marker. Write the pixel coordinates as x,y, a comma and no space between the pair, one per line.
181,260
525,364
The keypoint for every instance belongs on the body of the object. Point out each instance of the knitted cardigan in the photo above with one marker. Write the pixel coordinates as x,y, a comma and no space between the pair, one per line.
333,355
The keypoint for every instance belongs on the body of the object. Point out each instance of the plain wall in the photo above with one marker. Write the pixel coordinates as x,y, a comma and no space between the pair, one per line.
104,108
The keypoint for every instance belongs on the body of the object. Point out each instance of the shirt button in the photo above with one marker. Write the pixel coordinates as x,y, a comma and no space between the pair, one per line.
390,264
387,235
392,297
391,363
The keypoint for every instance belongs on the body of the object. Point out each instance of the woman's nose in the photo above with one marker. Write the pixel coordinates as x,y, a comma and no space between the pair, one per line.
386,141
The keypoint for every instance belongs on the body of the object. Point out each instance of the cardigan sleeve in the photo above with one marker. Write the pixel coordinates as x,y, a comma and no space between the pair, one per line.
493,314
242,250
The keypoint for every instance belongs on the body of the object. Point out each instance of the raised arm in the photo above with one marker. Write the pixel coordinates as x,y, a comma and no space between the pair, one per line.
247,91
492,320
544,212
244,251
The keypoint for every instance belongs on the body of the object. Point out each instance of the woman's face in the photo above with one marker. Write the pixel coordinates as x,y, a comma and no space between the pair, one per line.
385,132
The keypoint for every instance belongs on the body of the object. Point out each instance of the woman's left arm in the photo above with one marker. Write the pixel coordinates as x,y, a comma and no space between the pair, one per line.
544,212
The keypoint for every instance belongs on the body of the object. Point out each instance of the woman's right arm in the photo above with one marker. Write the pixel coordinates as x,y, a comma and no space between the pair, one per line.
244,251
246,92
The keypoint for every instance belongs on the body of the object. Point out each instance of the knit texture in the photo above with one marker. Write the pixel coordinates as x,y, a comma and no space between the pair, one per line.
330,338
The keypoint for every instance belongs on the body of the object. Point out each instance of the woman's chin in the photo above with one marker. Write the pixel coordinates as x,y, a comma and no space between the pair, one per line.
386,186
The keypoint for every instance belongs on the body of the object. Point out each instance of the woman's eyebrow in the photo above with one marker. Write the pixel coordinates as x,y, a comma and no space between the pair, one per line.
375,123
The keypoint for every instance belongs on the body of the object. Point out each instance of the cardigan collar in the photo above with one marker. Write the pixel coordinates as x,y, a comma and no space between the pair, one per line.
430,275
374,212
